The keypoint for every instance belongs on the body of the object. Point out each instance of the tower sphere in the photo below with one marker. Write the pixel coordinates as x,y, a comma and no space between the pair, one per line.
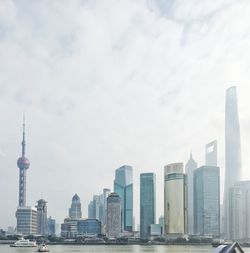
23,163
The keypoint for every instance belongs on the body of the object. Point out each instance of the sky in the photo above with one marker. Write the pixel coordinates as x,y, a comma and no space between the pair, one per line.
105,83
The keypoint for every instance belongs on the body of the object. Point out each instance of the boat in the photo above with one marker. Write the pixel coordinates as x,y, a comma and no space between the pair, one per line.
43,248
24,243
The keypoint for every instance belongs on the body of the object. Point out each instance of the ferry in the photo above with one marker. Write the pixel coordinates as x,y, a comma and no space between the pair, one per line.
24,243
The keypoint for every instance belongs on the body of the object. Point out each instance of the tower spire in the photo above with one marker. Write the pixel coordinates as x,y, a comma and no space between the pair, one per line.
23,141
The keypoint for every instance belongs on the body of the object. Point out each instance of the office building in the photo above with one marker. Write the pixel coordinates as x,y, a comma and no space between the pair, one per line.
239,210
232,151
89,227
42,222
69,228
175,200
190,167
26,220
114,215
123,186
207,201
51,226
75,211
211,153
147,203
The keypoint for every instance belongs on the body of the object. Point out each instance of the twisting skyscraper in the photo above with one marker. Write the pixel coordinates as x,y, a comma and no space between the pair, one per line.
232,150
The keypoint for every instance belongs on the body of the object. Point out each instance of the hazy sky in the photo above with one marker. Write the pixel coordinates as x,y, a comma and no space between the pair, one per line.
112,82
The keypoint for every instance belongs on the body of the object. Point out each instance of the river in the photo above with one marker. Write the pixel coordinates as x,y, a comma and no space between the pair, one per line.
115,249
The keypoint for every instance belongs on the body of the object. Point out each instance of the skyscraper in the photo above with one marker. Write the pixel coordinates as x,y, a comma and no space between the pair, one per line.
175,200
232,151
42,222
211,153
190,167
147,203
105,194
75,211
239,207
113,215
123,186
207,201
51,226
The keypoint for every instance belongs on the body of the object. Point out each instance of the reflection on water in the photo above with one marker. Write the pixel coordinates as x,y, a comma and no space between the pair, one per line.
115,249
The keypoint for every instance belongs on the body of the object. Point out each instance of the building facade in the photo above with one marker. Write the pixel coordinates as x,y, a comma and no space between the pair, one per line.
69,228
123,186
207,201
211,153
147,203
239,210
190,167
51,226
42,222
89,227
26,220
232,152
75,211
175,200
114,215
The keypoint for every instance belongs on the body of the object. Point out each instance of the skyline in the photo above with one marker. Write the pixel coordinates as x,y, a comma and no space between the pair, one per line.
88,114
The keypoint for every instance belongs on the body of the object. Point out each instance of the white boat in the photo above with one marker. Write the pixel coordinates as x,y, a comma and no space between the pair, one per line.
24,243
43,248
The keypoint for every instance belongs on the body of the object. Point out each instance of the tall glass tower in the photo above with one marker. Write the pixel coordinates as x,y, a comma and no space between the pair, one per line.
232,150
190,167
147,203
123,186
207,201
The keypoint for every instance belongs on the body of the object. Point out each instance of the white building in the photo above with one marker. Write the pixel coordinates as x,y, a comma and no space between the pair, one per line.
26,220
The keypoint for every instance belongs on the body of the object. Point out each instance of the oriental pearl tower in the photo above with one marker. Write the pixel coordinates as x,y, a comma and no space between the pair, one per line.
23,164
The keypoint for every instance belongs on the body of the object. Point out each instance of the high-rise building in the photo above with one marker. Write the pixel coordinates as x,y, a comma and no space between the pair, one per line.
51,226
23,164
190,167
42,222
239,208
91,210
211,153
26,220
232,151
123,186
147,203
207,201
105,194
175,200
75,211
114,213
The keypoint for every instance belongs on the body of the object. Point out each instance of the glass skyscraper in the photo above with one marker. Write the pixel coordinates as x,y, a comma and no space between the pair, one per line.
123,186
232,151
147,203
207,200
190,167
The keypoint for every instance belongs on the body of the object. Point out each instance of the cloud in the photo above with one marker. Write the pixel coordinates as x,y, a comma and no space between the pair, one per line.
107,83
